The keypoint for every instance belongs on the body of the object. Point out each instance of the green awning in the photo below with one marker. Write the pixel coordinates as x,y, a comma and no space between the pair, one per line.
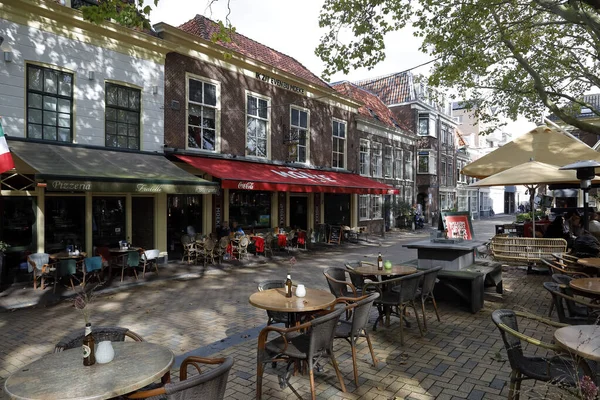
84,169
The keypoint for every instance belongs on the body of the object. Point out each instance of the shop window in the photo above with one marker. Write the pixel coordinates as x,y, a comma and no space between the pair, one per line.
64,222
398,162
257,126
122,117
17,222
365,163
377,159
426,163
376,206
108,221
363,207
408,165
299,136
202,109
387,161
339,144
49,104
250,209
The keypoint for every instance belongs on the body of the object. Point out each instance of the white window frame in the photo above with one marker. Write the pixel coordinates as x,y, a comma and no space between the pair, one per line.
431,125
377,157
408,194
388,161
409,166
442,173
376,206
364,158
431,162
345,142
268,120
364,205
398,163
217,108
307,138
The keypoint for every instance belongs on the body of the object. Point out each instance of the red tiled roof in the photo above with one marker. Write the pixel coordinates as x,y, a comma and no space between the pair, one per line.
391,89
372,106
205,28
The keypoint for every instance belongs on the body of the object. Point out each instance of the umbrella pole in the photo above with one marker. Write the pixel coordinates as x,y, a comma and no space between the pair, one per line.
532,206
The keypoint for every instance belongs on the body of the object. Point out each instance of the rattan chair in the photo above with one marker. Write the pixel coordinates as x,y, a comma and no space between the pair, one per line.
42,267
242,248
275,317
578,311
356,328
149,258
308,342
269,243
190,250
396,294
207,251
558,268
210,384
556,369
338,285
425,292
100,333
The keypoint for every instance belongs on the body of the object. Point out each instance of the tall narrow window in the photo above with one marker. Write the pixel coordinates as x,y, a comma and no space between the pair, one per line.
257,126
398,161
423,163
377,159
387,161
443,173
376,206
449,174
363,207
424,125
122,117
408,165
339,144
365,162
202,115
49,104
298,135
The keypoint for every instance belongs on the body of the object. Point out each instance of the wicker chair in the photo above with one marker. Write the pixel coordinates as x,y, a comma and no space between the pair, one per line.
352,330
269,243
190,250
396,293
221,248
100,333
338,285
561,280
275,317
207,251
242,248
150,257
206,385
425,292
42,267
307,342
556,369
578,312
558,268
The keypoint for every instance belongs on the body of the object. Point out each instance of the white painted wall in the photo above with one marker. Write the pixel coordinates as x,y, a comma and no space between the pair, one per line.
31,44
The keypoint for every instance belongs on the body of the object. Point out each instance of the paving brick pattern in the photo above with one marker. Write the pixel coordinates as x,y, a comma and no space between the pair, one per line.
460,357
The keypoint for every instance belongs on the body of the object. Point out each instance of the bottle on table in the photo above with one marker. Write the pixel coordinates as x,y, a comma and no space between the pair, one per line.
379,262
89,357
288,286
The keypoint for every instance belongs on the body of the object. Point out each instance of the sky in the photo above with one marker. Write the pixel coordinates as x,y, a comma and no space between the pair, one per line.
292,27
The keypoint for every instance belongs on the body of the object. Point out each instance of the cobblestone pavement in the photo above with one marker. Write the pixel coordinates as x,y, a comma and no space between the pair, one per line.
460,357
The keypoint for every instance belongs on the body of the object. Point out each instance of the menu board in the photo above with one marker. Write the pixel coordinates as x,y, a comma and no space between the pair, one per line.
335,234
458,225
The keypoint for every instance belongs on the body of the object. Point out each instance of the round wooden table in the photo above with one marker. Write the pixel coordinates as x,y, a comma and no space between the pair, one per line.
589,262
62,376
397,270
63,255
582,340
586,285
275,300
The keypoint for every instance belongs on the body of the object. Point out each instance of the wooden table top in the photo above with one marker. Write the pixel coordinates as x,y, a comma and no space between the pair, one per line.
397,270
63,255
589,262
62,376
583,340
119,250
586,285
275,300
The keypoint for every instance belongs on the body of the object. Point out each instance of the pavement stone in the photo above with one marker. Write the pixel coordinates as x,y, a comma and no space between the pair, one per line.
206,312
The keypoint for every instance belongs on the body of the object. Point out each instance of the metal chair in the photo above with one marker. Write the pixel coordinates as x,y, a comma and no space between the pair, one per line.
356,328
275,317
210,384
396,293
558,268
425,292
556,369
41,266
68,267
307,342
100,333
150,257
561,280
579,312
338,285
131,259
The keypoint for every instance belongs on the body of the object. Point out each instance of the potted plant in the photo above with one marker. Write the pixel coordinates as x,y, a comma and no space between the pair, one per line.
403,212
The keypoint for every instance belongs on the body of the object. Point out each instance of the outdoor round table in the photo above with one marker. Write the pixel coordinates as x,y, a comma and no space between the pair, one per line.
62,376
275,300
586,285
396,270
589,262
66,256
582,340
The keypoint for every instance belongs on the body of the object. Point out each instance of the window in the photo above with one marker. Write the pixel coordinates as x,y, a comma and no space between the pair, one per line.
363,207
408,166
49,104
398,164
408,194
365,162
426,163
444,133
377,159
339,144
423,125
250,209
450,181
376,206
443,174
387,161
298,135
122,117
257,126
202,114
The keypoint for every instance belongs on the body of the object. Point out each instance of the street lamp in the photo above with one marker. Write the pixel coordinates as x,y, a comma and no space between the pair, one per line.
586,171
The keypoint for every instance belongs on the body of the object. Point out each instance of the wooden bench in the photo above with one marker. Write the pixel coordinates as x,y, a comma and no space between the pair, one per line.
524,250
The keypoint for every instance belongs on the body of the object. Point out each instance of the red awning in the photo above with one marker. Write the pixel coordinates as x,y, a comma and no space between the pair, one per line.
257,176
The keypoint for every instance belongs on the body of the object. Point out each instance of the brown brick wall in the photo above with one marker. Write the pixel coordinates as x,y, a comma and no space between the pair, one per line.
233,117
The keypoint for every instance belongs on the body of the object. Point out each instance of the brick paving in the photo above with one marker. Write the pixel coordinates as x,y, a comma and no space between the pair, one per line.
460,357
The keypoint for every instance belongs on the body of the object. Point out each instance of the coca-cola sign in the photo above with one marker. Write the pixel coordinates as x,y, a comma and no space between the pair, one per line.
246,185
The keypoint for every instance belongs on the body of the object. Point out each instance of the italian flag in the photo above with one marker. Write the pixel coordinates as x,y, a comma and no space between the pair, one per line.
6,161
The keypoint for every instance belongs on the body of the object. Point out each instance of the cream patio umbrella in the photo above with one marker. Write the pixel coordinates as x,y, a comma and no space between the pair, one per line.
543,144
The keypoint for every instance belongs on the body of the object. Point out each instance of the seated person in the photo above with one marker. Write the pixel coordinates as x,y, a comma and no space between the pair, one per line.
557,230
237,230
574,225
